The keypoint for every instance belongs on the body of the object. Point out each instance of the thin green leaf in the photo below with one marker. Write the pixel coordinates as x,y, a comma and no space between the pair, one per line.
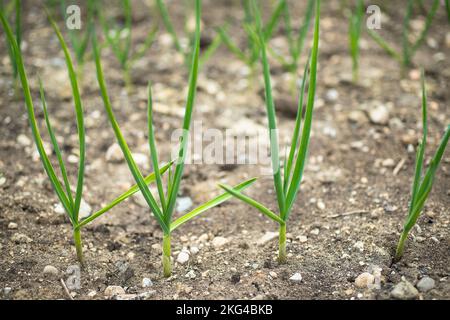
212,48
303,149
79,117
168,24
226,39
270,108
32,119
428,20
421,149
253,203
210,204
427,183
51,133
296,134
123,144
187,116
275,17
384,45
304,29
153,150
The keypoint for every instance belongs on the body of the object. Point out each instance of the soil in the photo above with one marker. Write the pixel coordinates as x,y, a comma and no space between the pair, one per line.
347,217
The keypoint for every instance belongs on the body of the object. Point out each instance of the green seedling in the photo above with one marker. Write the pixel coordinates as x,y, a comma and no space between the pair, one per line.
119,39
422,184
250,54
163,212
354,34
405,56
70,202
287,185
167,21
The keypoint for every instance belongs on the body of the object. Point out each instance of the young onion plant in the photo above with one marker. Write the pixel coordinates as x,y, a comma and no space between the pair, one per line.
250,54
119,40
408,48
167,21
422,184
163,211
70,202
354,32
288,184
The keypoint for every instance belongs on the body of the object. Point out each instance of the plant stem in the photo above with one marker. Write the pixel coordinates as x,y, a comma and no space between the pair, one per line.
78,245
282,244
400,246
166,256
127,79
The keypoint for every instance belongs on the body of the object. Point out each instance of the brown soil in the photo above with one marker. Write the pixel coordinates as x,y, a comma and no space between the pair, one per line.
345,172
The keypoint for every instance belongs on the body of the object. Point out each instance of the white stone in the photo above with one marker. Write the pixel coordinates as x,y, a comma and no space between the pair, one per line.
183,204
296,277
389,163
85,209
141,160
12,225
183,257
114,153
218,242
359,245
379,115
23,140
58,208
194,250
147,282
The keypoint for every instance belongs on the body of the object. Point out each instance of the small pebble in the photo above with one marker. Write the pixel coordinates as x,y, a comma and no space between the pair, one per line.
191,274
404,290
183,257
388,163
379,115
50,271
364,280
219,242
296,277
23,140
194,250
12,226
111,291
147,282
425,284
273,274
114,153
